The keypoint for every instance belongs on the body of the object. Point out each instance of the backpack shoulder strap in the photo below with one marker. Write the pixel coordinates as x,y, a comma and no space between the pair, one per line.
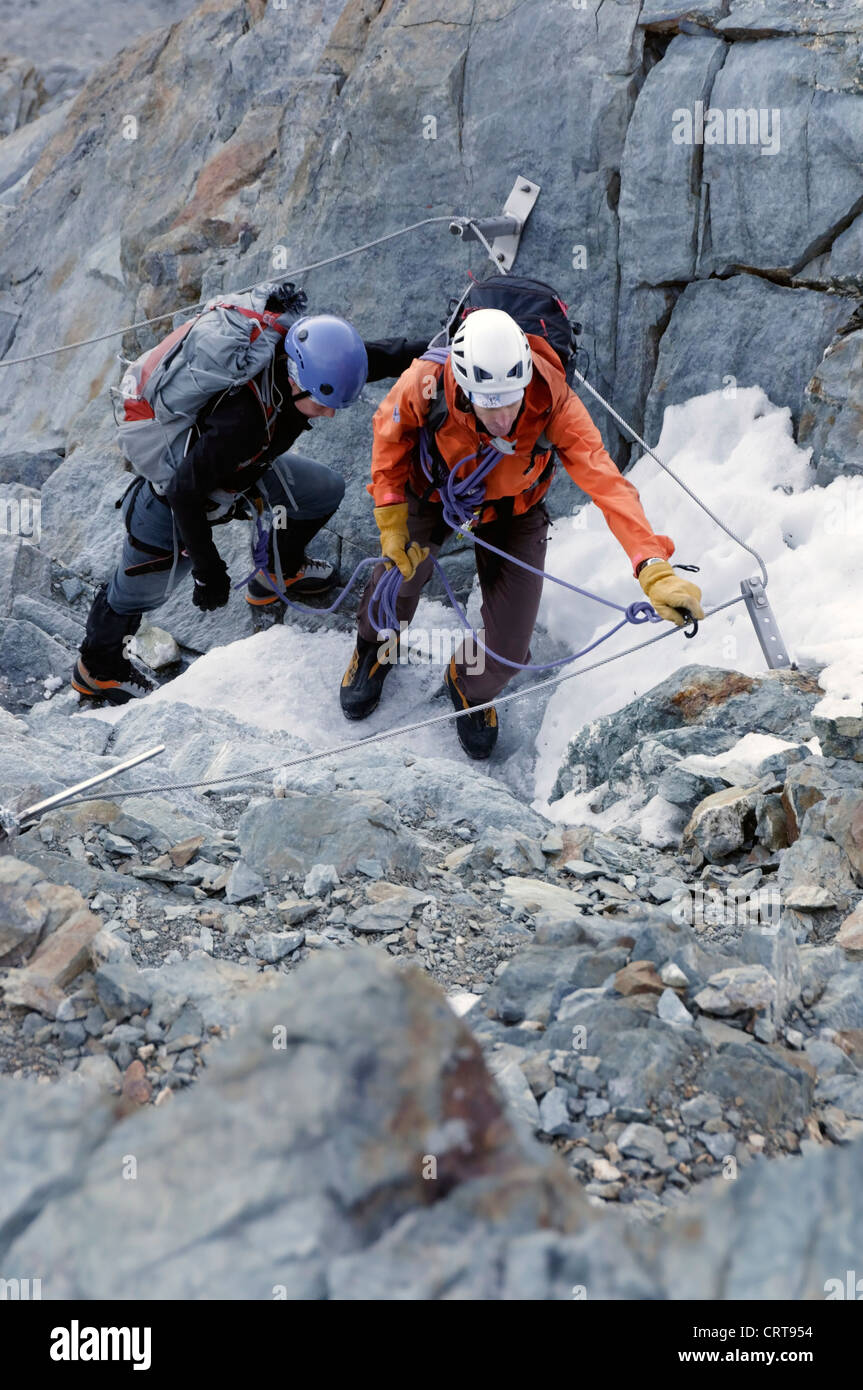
438,410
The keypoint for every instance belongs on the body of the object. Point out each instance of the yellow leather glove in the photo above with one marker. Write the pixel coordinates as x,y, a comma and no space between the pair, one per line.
669,593
396,544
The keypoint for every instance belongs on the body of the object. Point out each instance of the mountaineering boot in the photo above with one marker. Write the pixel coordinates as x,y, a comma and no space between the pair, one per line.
313,577
363,681
477,733
102,671
117,681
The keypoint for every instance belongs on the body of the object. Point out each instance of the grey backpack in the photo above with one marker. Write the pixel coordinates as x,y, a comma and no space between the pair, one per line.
162,392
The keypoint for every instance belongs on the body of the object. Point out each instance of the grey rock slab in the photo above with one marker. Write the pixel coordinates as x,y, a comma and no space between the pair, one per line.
582,869
28,655
398,1051
749,322
23,914
716,1032
767,17
830,418
719,1146
816,863
83,37
645,1142
828,1059
776,949
773,1092
520,1100
536,895
699,709
292,833
50,618
640,1056
31,469
533,982
19,152
699,1109
554,1118
840,1003
738,990
844,1091
722,822
275,946
794,168
61,868
122,989
244,884
390,915
671,1009
185,1031
455,795
660,186
49,1135
782,1229
320,879
510,850
664,888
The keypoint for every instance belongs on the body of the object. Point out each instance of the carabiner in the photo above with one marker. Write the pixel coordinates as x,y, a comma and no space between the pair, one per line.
689,619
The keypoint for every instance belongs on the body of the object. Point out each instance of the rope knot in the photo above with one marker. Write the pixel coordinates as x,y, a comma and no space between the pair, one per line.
642,612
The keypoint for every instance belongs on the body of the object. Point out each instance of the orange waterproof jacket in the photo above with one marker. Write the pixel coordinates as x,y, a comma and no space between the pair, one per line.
550,407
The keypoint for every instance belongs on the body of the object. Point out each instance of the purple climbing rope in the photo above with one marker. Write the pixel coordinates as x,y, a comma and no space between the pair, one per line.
462,500
261,559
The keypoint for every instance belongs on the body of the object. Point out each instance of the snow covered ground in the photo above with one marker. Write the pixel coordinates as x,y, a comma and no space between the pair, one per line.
739,456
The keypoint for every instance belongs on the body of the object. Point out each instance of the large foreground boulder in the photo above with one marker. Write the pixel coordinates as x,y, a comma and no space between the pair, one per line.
349,1143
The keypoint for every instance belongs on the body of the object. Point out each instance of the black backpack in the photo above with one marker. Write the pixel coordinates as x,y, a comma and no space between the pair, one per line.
535,306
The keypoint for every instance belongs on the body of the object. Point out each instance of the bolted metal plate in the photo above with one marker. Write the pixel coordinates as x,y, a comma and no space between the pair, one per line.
518,205
765,624
504,232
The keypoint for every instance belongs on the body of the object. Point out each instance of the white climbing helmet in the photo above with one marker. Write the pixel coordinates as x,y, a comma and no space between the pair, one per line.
491,359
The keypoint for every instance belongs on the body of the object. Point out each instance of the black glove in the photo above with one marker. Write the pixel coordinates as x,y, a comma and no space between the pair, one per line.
212,589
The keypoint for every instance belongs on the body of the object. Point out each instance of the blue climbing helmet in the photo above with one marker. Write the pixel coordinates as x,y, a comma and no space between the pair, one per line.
327,359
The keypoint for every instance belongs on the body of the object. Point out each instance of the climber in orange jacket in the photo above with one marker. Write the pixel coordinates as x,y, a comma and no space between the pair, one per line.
508,389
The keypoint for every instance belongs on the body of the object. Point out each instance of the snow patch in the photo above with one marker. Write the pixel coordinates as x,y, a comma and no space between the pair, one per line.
740,457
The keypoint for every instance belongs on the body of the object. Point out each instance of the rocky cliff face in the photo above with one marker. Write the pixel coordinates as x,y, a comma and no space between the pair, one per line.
502,1057
249,137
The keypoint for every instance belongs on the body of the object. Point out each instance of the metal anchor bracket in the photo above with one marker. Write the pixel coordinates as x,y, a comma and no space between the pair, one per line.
11,822
765,624
504,232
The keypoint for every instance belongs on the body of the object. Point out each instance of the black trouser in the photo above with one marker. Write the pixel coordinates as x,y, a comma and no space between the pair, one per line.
510,594
150,567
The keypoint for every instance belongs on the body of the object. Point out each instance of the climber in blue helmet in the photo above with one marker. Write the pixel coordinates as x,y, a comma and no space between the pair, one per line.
236,456
327,361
